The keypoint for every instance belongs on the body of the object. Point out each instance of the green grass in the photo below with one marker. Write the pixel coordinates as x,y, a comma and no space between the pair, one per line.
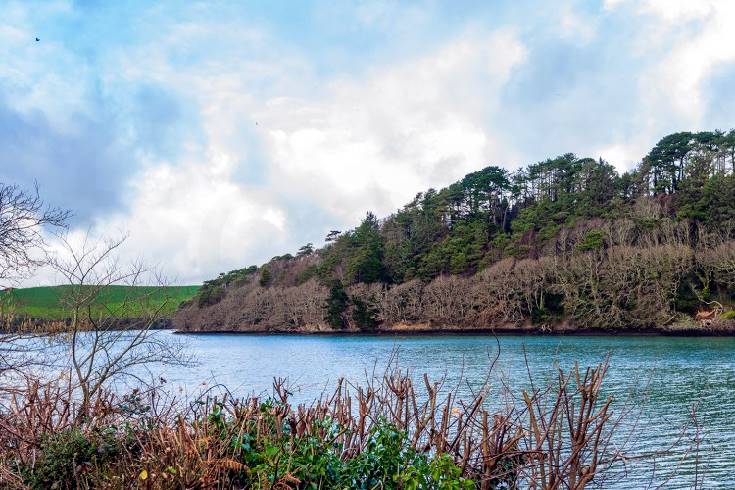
48,302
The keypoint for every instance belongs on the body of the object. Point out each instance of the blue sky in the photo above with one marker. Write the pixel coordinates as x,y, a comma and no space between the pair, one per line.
219,134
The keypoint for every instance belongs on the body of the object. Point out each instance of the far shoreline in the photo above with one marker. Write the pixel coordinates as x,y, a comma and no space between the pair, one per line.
588,332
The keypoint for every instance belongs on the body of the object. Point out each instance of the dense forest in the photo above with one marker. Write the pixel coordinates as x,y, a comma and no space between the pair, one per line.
563,244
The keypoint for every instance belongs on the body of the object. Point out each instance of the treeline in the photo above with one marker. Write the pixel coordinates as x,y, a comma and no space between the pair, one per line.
564,240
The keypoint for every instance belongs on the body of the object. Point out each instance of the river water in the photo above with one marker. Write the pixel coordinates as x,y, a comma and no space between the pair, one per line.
660,378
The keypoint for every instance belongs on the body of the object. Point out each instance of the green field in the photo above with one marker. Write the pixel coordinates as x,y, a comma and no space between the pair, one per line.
50,302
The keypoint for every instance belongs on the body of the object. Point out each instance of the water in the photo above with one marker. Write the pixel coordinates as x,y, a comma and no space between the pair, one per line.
662,377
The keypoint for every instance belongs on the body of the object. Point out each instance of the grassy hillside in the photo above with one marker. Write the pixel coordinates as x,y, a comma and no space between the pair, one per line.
48,302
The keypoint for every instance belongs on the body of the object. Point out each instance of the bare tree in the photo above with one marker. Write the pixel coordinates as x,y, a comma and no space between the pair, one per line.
22,217
110,331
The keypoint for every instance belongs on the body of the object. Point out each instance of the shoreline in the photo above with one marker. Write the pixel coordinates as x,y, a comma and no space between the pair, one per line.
416,330
505,332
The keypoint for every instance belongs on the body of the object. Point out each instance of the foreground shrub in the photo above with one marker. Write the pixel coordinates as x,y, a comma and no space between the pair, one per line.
387,434
67,458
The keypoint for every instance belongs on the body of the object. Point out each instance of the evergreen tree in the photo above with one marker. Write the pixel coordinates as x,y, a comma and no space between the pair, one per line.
337,303
265,276
366,261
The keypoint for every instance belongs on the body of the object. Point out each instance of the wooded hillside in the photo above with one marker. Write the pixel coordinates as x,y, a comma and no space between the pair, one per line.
564,243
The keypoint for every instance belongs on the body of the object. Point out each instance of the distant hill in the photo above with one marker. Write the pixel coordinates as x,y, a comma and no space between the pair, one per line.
567,243
47,302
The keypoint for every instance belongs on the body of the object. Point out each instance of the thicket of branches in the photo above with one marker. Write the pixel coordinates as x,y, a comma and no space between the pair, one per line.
89,351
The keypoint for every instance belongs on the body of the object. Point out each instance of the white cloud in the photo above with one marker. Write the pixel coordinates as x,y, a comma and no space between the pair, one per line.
678,78
574,25
193,220
391,16
373,143
671,11
622,155
685,41
361,144
189,221
352,145
700,37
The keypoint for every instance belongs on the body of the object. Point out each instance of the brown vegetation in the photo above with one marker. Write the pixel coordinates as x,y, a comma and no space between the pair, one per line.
635,282
551,438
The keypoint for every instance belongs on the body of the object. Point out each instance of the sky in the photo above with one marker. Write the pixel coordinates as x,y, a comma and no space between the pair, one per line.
216,135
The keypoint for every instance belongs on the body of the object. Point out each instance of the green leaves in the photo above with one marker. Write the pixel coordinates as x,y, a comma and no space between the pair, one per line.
592,240
311,458
389,461
365,263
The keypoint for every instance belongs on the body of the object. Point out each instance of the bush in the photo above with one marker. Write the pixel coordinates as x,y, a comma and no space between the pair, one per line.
390,459
592,240
213,291
67,457
209,296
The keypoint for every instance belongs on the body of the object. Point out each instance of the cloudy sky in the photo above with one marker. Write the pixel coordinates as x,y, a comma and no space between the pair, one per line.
219,134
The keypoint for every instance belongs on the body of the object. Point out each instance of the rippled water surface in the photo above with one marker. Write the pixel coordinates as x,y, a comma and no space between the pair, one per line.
661,377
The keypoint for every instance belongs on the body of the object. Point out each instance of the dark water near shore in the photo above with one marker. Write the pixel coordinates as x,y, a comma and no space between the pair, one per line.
661,378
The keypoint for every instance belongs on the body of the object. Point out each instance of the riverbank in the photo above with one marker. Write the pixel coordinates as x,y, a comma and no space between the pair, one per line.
717,328
21,324
464,333
724,328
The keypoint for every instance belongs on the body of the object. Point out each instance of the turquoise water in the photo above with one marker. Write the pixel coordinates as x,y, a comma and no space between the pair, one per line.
659,378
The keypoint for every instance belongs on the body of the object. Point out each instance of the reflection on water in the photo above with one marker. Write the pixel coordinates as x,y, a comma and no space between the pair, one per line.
663,377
